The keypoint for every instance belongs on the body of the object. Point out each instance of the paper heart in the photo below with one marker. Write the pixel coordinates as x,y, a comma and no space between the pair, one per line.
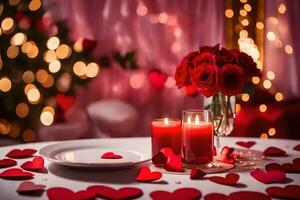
111,155
292,167
288,192
167,151
15,174
174,164
111,193
60,193
145,175
247,145
157,78
159,159
37,164
230,179
226,155
244,195
297,147
179,194
17,153
30,187
7,163
197,174
65,102
274,166
272,176
274,151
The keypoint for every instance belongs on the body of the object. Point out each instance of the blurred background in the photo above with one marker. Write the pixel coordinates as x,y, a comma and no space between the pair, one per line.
104,68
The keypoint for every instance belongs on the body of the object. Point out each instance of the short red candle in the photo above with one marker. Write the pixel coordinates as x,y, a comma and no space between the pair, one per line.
166,133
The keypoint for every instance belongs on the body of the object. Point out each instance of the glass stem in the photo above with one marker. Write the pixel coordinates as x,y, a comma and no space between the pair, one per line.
218,145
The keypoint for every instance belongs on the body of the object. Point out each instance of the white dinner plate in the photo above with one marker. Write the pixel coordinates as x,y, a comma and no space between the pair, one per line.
88,155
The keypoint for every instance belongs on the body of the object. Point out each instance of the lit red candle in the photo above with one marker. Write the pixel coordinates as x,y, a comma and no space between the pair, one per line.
166,133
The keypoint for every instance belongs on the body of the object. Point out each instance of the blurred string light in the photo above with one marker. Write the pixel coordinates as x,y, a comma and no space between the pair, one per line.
47,116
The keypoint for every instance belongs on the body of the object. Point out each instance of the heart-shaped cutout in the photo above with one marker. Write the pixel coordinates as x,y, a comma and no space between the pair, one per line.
174,164
197,174
111,193
60,193
29,187
7,163
244,195
272,176
274,151
36,165
247,145
16,174
274,166
111,155
179,194
297,147
145,175
18,153
65,102
288,192
229,179
292,167
226,155
159,159
157,78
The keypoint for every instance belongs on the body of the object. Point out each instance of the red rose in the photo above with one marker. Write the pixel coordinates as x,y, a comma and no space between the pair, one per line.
191,90
231,79
182,74
205,57
248,65
225,56
209,49
204,78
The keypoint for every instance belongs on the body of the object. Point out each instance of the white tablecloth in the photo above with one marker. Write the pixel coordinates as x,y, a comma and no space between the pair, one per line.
76,180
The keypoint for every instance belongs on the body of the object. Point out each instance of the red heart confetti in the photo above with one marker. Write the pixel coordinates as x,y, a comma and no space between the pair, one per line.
272,176
17,153
274,151
111,155
179,194
60,193
16,174
292,167
167,151
65,102
245,195
7,163
226,155
145,175
230,179
174,164
159,159
157,78
37,164
274,166
297,147
197,174
288,192
111,193
29,187
247,145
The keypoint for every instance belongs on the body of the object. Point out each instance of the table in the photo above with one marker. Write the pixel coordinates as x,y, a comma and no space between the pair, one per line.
79,180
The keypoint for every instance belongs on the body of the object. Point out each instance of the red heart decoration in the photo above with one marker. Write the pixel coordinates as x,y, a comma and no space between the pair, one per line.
226,155
60,193
174,164
37,164
272,176
157,78
230,179
197,174
7,163
111,155
65,102
274,151
17,153
247,145
297,147
159,159
145,175
30,187
245,195
288,192
167,151
292,167
111,193
274,166
15,174
179,194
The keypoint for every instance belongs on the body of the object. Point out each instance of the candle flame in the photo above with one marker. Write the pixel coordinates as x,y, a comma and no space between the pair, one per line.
197,122
189,121
166,121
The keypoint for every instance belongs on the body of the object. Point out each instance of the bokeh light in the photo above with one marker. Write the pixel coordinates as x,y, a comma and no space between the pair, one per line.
263,108
245,97
288,49
281,8
264,136
12,52
18,39
229,13
136,81
92,70
53,43
22,110
5,84
255,80
272,131
271,36
270,75
79,68
278,96
7,24
28,135
141,10
34,5
54,66
47,117
267,84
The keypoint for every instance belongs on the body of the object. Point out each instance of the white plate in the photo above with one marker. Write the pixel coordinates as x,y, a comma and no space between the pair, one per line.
81,154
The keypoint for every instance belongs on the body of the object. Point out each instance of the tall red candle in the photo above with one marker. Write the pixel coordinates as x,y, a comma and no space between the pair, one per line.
166,133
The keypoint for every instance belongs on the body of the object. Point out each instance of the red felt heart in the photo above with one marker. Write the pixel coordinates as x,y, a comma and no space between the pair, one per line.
7,163
17,153
65,102
37,164
197,174
145,175
30,187
272,176
226,155
274,151
167,151
274,166
244,195
230,179
288,192
179,194
15,174
247,145
111,155
174,164
157,78
111,193
297,147
60,193
292,167
159,159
